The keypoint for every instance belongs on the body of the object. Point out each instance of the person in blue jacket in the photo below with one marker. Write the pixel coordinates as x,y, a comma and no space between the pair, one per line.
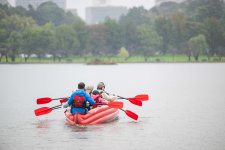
79,99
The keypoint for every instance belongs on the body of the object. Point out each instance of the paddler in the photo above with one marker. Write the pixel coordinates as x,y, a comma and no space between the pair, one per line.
79,99
103,94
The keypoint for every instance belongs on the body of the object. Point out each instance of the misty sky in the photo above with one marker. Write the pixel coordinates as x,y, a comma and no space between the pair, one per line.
81,4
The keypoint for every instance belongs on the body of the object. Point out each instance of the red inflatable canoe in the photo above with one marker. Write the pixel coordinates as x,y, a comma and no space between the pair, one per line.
100,114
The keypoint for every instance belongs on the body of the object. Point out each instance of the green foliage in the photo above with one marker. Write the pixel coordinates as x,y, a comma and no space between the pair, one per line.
208,8
67,39
82,34
149,40
198,45
113,36
167,29
179,30
50,12
138,15
163,27
215,34
123,53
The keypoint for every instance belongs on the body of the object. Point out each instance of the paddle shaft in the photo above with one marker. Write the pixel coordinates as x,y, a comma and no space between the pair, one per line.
140,97
132,100
58,98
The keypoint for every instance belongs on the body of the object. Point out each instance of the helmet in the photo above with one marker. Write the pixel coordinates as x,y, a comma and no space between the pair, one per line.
100,85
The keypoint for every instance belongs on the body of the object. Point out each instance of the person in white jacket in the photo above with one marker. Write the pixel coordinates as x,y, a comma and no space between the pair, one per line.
104,94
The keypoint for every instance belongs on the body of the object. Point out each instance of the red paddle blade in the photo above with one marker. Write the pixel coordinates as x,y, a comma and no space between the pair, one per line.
42,111
115,104
131,114
44,100
142,97
63,101
135,102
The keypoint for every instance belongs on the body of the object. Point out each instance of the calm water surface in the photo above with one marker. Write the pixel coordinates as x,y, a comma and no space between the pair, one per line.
186,110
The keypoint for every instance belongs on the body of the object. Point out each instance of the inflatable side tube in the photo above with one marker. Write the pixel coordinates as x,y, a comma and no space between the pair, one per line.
95,111
107,118
95,117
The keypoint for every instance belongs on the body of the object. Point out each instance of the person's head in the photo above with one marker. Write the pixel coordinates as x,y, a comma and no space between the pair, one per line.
95,92
89,88
101,86
81,85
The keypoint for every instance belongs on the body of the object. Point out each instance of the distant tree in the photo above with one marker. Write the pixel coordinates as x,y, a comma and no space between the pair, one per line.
129,37
179,30
163,27
167,8
113,36
194,28
208,8
3,31
148,39
214,34
198,45
138,15
123,53
67,39
70,18
46,38
96,41
14,25
19,10
32,12
37,40
50,12
14,44
82,34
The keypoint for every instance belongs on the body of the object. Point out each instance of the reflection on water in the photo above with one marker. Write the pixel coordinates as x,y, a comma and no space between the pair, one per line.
43,123
79,131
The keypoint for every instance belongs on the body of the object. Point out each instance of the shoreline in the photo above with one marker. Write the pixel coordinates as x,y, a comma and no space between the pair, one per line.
104,64
104,60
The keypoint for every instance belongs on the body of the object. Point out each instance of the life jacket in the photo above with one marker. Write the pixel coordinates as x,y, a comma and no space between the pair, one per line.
97,98
79,101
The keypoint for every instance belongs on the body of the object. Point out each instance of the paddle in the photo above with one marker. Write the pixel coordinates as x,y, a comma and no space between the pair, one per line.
46,100
113,104
140,97
45,110
130,114
134,101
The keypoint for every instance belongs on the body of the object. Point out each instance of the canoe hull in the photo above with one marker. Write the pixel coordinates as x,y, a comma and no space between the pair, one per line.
98,115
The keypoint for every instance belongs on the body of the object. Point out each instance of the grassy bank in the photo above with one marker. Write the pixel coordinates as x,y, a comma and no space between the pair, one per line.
111,60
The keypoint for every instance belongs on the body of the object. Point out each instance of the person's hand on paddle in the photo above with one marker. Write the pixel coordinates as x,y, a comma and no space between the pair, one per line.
65,105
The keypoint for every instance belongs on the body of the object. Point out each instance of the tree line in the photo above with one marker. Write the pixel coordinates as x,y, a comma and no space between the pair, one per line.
193,28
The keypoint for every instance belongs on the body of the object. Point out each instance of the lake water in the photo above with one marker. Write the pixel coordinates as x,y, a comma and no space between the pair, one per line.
186,110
